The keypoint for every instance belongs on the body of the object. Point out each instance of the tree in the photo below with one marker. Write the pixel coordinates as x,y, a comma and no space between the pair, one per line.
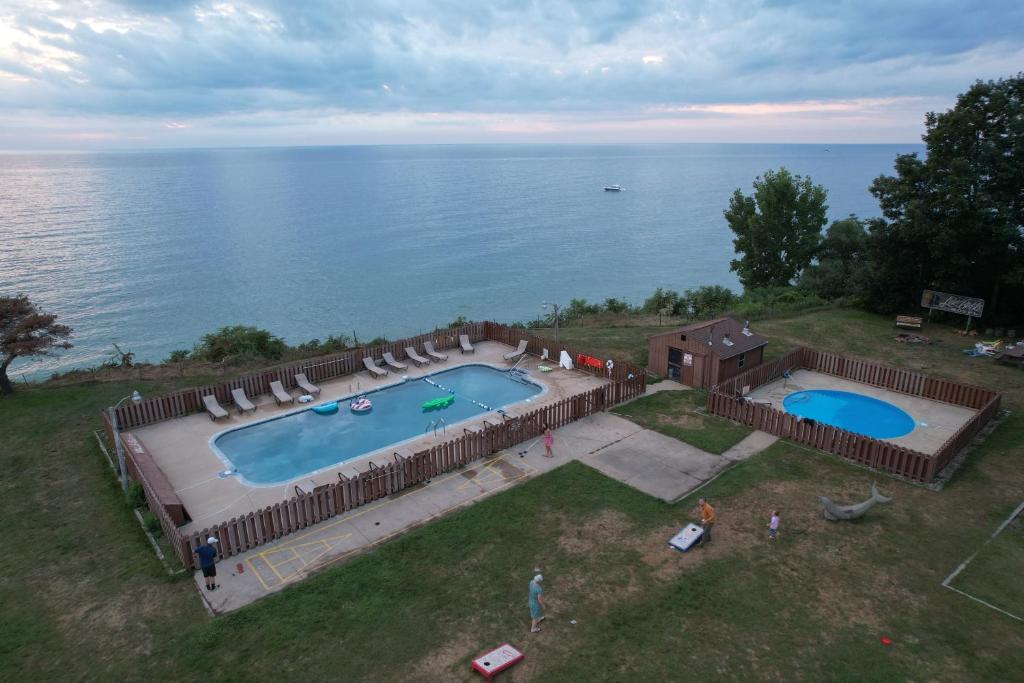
954,220
26,332
239,340
840,266
777,229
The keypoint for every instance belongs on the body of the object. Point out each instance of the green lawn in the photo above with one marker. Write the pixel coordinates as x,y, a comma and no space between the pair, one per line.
84,598
994,575
675,414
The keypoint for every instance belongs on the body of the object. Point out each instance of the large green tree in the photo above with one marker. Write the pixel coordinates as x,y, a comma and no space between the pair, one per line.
839,267
777,229
954,220
26,332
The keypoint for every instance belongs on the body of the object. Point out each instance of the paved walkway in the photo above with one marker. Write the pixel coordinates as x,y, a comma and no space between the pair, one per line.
646,460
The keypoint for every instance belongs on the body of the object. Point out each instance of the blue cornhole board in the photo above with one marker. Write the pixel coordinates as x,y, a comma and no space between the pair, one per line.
686,537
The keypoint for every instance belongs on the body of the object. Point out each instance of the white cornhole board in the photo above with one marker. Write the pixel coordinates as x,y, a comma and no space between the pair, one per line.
565,360
686,537
497,660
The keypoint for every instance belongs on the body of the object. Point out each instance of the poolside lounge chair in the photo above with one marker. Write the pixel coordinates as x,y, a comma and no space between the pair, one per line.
242,401
213,408
429,348
520,350
306,385
416,357
464,344
392,363
280,395
372,367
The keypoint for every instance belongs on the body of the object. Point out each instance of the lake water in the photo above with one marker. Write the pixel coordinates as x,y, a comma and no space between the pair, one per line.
153,249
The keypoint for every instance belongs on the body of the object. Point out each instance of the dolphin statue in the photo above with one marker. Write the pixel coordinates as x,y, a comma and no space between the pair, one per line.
835,512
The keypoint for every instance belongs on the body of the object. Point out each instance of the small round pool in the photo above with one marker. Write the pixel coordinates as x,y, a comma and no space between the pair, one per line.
852,412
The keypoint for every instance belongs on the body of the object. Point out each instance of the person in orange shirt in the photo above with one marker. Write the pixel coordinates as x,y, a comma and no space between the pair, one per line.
707,520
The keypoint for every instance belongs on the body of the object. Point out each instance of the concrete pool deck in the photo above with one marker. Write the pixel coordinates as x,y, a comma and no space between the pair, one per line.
181,447
651,462
936,422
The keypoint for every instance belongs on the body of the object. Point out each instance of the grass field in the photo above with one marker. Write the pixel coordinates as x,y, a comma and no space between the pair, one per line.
994,574
677,414
85,599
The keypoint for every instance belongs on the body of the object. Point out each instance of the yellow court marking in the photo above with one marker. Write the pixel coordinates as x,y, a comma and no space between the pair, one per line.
487,469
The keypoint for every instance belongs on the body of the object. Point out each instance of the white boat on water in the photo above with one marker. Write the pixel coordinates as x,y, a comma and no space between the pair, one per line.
613,188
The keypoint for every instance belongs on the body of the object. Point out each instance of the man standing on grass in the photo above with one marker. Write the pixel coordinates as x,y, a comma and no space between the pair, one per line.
207,555
707,520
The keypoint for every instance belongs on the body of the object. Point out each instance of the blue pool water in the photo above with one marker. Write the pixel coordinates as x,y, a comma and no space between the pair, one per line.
852,412
288,447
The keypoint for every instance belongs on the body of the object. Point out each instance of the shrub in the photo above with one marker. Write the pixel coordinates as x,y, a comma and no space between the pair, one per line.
177,356
661,301
613,305
579,308
458,322
706,302
152,523
136,495
239,340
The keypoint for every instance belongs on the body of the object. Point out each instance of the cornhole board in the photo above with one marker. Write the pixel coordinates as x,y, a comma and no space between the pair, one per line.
686,537
490,664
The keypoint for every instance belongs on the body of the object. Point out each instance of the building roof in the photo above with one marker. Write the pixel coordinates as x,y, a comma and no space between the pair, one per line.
726,334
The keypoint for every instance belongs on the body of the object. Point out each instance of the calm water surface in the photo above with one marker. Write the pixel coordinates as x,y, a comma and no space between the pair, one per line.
153,249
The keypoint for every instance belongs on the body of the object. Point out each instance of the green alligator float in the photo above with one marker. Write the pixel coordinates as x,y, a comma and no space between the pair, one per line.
438,403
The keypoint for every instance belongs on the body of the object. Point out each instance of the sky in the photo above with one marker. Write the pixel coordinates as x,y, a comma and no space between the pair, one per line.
99,74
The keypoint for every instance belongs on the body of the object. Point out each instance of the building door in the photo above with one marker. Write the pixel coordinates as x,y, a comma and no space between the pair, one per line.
687,374
675,364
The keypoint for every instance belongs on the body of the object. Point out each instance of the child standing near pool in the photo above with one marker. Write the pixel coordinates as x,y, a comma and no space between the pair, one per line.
549,441
773,526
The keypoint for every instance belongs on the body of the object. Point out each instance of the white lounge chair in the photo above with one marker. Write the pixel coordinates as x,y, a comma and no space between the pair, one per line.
280,395
464,344
429,348
392,363
372,367
520,350
306,385
213,408
242,401
416,357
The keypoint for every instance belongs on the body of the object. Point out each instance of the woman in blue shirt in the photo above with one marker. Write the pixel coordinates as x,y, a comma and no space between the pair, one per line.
536,603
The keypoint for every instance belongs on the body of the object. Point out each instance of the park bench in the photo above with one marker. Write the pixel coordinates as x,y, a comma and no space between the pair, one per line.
912,321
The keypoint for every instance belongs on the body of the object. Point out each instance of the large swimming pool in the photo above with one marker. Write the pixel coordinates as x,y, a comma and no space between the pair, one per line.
300,443
852,412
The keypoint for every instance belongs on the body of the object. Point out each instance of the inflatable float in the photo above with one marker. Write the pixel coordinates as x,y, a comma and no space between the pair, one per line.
361,405
326,408
438,403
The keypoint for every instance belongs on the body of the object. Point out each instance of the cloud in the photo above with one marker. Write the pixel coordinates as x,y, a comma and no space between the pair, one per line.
220,60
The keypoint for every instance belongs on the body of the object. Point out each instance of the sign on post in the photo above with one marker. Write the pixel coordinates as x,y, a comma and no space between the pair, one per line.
953,303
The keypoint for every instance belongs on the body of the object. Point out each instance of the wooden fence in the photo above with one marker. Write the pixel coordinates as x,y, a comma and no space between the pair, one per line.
189,401
726,400
301,511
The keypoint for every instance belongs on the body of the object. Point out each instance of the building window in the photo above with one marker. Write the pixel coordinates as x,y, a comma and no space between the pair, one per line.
741,360
682,337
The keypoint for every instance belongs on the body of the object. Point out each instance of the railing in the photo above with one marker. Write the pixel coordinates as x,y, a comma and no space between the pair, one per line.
725,400
298,512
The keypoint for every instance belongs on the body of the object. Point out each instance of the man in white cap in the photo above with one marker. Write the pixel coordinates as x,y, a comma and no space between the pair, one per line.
536,603
207,555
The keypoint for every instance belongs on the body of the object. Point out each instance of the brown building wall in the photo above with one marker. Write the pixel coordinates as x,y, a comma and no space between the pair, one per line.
730,366
707,368
657,355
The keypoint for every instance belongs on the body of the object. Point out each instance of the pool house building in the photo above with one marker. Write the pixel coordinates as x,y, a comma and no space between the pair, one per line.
705,353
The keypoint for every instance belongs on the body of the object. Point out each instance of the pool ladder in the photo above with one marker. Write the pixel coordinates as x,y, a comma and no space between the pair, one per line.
434,425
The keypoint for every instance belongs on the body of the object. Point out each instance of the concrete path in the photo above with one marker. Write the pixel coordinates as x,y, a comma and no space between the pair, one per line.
648,461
